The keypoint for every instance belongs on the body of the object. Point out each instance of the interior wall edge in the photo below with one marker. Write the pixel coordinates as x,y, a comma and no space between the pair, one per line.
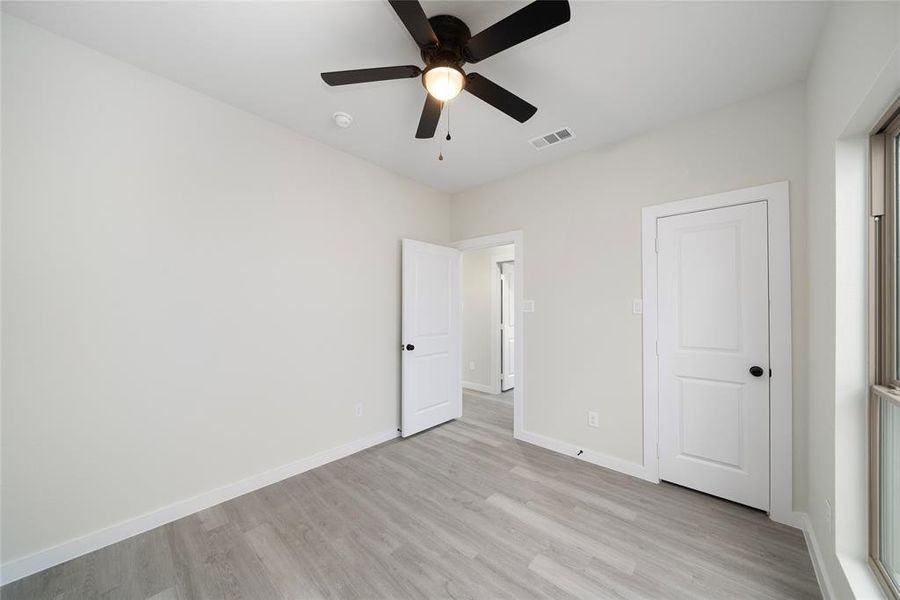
816,556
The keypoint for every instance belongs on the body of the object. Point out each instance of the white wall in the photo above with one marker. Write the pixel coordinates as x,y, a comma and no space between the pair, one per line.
854,51
477,279
581,220
191,295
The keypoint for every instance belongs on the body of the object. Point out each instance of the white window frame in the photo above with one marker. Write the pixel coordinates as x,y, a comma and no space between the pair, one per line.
884,238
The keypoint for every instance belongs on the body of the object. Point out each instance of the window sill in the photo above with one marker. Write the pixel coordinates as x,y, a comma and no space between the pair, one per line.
863,582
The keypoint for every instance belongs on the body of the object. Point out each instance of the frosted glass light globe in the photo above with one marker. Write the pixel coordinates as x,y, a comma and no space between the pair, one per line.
444,83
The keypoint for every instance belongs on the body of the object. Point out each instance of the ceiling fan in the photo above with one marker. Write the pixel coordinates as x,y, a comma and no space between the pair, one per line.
447,44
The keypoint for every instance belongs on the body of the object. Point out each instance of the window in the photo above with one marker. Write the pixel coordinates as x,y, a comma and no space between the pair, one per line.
884,411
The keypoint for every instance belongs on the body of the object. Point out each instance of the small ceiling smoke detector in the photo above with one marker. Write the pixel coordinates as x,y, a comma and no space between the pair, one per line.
554,137
342,120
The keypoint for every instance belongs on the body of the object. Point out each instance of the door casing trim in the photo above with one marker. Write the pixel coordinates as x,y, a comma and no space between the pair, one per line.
777,196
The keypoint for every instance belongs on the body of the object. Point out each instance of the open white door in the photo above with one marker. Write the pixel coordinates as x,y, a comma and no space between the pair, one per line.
714,352
431,381
507,326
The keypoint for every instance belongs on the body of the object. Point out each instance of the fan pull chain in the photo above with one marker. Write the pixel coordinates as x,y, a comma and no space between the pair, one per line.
448,123
441,144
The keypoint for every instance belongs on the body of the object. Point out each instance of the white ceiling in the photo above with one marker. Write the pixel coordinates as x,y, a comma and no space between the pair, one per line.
615,70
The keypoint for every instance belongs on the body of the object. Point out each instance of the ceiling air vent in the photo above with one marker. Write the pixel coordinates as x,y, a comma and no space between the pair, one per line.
555,137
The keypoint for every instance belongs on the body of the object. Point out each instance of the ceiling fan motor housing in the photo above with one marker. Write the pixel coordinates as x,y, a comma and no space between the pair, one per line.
452,35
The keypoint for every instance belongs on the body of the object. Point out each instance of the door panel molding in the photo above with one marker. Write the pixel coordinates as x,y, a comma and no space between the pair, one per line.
777,197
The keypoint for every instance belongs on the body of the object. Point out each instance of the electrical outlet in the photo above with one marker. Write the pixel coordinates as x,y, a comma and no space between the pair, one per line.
471,365
829,516
359,408
637,306
593,419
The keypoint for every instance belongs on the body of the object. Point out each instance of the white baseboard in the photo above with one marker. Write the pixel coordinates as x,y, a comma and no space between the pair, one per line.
49,557
478,387
791,519
602,460
815,554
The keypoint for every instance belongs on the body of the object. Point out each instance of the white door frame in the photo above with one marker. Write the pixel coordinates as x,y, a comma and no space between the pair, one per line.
498,260
777,197
489,241
496,356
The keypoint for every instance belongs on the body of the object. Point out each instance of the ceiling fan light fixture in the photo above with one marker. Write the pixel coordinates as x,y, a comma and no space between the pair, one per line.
444,83
446,43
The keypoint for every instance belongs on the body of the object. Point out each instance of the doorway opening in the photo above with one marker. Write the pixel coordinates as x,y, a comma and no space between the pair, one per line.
488,333
503,370
433,367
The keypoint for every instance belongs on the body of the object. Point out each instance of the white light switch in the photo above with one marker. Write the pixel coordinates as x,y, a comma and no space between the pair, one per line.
471,365
637,306
528,306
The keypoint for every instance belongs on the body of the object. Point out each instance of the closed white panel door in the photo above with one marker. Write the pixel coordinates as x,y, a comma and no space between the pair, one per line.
431,383
714,352
507,325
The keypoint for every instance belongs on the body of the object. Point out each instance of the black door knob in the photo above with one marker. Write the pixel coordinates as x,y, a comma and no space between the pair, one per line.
756,371
410,347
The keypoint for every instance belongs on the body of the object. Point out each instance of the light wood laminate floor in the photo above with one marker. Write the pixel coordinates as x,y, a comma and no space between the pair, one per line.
459,511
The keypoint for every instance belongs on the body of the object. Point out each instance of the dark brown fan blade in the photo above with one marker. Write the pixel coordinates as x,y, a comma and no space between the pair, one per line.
413,17
499,98
367,75
431,114
524,24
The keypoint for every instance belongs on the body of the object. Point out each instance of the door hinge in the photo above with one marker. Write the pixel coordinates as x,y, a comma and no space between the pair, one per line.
657,347
656,245
657,451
